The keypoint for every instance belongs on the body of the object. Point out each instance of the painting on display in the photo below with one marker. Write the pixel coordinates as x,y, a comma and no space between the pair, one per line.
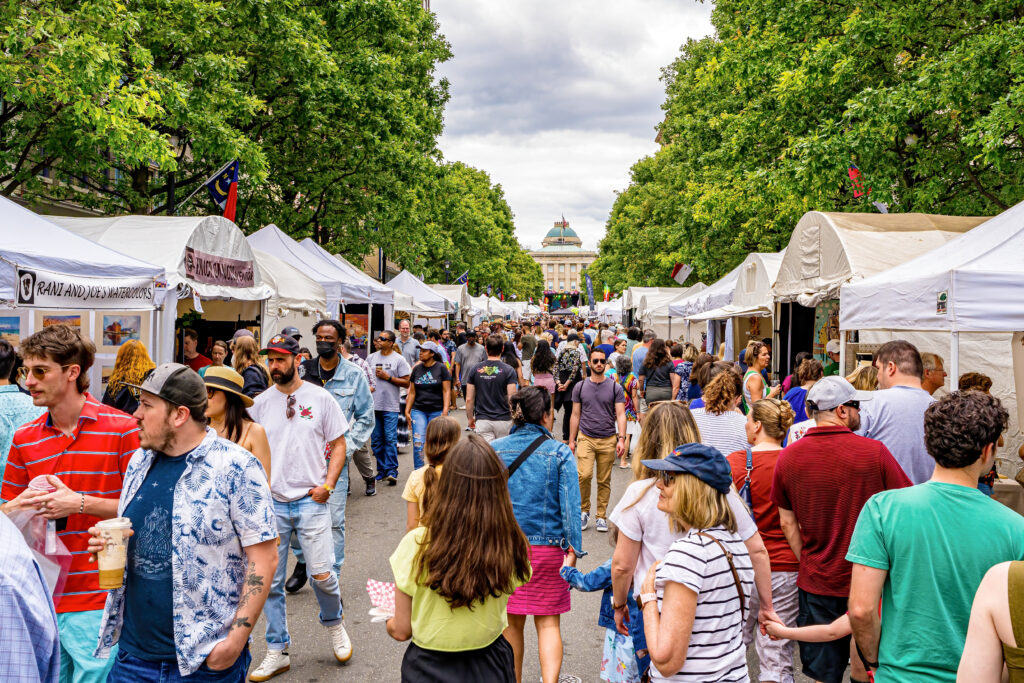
357,326
114,328
11,329
75,320
826,327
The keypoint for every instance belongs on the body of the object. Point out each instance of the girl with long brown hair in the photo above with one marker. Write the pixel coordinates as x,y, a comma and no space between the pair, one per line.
454,574
658,382
442,433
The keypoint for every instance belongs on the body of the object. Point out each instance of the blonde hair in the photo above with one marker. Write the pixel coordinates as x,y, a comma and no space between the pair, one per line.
721,392
130,367
695,505
775,416
245,353
666,426
864,378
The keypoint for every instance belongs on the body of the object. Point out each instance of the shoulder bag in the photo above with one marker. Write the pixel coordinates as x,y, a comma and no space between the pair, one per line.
745,494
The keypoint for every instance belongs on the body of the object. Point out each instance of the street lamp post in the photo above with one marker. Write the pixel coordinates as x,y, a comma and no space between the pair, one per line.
447,265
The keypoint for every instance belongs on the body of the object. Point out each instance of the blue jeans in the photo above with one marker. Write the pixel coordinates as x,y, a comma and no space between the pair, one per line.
384,442
311,522
337,503
129,669
420,420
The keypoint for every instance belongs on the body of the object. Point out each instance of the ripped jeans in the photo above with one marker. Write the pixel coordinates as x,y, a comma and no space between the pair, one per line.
311,522
420,420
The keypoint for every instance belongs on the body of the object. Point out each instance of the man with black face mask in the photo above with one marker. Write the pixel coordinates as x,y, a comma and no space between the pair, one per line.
329,335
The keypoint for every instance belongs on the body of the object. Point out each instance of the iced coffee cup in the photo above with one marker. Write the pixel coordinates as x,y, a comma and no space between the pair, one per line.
114,555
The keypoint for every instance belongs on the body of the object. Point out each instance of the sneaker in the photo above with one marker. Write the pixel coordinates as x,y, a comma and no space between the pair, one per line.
584,520
601,524
276,662
340,643
569,678
371,487
392,480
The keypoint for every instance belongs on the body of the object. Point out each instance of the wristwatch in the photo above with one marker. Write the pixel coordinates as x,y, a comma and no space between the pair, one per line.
330,489
645,598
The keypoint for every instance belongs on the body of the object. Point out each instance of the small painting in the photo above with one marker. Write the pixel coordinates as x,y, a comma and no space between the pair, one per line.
70,319
105,372
10,329
117,329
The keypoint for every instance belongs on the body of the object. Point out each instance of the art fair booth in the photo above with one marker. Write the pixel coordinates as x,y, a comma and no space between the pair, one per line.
966,299
214,284
298,300
651,309
427,299
458,294
827,250
749,312
50,276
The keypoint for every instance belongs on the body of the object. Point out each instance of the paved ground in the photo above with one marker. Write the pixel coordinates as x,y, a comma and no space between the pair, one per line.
374,528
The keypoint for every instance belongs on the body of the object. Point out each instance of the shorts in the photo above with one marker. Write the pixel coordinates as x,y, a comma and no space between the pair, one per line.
825,662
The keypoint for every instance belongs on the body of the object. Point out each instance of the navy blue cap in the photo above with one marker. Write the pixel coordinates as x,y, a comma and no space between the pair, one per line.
704,462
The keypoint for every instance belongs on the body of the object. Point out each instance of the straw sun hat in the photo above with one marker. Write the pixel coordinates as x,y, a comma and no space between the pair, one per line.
223,378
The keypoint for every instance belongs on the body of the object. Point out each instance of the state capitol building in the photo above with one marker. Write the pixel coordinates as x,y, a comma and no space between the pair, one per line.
562,259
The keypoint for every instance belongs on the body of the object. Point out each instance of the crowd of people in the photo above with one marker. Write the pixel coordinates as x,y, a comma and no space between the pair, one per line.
849,516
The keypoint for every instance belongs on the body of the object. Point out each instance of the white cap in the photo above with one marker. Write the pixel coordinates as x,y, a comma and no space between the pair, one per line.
832,346
830,392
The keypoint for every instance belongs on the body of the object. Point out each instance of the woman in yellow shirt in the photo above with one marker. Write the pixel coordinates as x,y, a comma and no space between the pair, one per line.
453,575
442,433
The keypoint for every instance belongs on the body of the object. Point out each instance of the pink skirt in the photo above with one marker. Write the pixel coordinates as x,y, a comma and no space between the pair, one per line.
546,381
547,592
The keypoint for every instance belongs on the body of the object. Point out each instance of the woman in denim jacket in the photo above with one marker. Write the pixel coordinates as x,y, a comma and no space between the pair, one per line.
545,496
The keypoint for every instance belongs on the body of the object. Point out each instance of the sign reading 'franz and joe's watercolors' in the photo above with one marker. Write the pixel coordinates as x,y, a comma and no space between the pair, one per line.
218,270
44,289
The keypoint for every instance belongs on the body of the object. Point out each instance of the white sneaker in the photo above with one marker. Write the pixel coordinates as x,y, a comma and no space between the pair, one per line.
276,662
340,642
601,524
584,521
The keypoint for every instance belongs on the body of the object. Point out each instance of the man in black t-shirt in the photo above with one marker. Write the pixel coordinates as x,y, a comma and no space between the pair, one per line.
430,386
489,386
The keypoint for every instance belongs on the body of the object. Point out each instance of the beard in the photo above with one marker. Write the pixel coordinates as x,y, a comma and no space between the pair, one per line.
283,378
159,441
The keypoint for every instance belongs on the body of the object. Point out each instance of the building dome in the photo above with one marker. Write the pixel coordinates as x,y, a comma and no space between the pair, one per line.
561,234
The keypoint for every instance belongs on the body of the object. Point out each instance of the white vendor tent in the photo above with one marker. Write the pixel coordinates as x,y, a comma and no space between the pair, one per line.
406,304
338,285
632,296
715,295
378,293
298,300
652,309
456,293
498,307
752,289
44,266
407,283
208,263
610,311
827,250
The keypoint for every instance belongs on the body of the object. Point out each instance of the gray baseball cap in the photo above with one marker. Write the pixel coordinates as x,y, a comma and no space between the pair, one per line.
830,392
177,384
433,347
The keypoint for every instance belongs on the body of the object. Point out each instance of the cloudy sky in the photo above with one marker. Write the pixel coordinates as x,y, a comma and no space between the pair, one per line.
556,100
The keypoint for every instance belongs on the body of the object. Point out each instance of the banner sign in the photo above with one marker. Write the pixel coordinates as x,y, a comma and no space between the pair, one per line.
218,270
590,294
45,289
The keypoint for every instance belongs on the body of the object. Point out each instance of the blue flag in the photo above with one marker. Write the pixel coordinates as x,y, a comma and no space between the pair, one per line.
223,189
590,294
488,290
463,279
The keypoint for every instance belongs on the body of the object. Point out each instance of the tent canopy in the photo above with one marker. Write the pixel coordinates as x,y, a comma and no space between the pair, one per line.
294,291
32,243
407,283
751,284
207,253
379,294
981,275
456,293
404,302
715,295
632,296
829,249
657,303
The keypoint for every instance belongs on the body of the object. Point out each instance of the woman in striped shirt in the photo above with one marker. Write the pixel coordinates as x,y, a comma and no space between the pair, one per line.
694,601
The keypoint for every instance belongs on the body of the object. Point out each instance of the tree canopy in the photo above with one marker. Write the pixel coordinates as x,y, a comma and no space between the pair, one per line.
764,119
333,109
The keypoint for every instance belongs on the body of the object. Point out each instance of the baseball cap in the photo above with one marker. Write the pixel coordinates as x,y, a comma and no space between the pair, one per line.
432,346
704,462
832,346
241,333
832,391
282,343
292,332
175,383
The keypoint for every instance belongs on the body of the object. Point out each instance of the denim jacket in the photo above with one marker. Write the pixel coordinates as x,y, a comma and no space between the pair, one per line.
352,392
545,490
601,579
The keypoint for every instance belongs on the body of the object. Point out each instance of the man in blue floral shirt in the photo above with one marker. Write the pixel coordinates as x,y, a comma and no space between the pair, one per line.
204,547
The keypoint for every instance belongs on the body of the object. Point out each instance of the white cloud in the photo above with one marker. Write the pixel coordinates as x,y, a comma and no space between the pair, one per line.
557,100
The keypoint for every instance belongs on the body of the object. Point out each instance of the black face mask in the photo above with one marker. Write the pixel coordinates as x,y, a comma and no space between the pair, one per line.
326,349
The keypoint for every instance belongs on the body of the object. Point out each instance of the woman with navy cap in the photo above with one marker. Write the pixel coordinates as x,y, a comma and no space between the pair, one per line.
704,580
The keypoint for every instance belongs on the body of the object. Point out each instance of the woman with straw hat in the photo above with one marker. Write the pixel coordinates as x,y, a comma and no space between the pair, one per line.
226,407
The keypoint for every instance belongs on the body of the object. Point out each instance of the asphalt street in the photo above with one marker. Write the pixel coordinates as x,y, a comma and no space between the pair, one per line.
374,526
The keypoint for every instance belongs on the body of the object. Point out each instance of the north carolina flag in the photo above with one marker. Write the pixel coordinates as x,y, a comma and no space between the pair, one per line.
223,188
463,279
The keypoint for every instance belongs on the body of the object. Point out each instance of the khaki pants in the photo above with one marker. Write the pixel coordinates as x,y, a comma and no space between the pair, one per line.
589,451
493,429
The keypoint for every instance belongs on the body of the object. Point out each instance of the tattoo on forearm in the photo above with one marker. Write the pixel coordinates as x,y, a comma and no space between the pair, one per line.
241,622
253,586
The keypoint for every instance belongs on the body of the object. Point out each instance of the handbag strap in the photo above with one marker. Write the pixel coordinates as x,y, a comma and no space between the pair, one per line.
526,454
735,574
750,463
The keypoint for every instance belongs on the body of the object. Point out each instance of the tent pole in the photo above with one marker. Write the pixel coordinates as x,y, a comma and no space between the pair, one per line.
954,358
842,353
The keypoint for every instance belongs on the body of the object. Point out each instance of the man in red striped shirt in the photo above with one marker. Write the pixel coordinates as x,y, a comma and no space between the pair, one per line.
83,448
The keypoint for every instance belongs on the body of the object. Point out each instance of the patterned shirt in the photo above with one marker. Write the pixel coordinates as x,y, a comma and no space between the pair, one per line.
222,504
16,409
31,649
371,377
91,461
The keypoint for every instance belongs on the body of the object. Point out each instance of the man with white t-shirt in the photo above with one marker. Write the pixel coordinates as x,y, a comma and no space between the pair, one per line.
392,371
302,421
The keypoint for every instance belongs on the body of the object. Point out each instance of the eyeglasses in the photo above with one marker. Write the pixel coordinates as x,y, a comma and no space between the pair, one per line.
210,392
39,371
289,411
597,361
667,478
853,404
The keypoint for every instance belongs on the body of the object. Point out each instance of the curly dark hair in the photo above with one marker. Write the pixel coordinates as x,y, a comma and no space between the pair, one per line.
957,428
338,327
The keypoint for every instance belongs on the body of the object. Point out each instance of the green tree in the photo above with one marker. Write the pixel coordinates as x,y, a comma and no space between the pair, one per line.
763,121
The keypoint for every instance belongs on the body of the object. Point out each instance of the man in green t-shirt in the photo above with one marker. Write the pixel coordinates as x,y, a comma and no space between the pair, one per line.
923,550
832,353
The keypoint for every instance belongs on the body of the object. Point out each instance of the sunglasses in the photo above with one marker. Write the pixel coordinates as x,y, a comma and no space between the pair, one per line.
598,361
39,371
667,478
853,404
289,411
